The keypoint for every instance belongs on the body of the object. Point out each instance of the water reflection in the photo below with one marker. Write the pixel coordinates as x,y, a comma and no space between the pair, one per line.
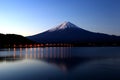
57,56
60,57
60,63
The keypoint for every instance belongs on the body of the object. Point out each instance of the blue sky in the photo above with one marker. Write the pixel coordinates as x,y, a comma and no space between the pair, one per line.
29,17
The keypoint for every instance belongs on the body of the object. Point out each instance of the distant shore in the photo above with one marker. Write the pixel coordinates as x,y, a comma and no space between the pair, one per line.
59,45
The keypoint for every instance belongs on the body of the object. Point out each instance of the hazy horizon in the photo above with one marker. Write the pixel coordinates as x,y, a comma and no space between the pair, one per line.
30,17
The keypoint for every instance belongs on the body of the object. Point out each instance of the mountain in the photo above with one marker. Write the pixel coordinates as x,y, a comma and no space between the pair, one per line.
9,40
70,33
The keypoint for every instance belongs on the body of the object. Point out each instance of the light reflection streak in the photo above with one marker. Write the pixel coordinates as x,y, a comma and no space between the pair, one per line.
20,52
14,55
34,53
54,52
61,54
26,53
51,52
30,53
40,53
47,52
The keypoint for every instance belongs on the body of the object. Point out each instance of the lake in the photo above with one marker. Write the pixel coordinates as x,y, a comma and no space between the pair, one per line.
60,63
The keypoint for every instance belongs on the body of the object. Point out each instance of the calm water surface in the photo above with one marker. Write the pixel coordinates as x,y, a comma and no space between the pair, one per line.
60,63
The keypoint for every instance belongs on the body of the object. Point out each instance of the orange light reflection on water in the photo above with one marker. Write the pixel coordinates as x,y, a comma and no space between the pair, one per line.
48,52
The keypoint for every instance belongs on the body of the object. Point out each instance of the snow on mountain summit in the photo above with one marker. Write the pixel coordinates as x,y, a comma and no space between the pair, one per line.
63,26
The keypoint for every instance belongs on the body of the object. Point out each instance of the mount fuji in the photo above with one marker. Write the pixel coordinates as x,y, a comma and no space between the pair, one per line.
67,32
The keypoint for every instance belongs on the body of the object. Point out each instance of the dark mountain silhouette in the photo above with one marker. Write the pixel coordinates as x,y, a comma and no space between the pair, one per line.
70,33
9,40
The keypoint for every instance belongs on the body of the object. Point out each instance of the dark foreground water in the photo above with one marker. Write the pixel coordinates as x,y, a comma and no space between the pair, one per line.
60,63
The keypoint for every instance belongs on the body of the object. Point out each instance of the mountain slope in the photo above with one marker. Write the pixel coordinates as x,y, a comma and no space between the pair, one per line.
70,33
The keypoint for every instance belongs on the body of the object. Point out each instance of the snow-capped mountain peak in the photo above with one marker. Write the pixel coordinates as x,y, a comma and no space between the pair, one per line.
63,26
70,33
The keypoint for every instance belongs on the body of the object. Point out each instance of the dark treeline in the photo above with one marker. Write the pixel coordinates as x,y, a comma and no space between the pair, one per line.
10,40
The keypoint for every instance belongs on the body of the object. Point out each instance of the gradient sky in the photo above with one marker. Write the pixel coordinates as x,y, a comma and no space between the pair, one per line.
29,17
